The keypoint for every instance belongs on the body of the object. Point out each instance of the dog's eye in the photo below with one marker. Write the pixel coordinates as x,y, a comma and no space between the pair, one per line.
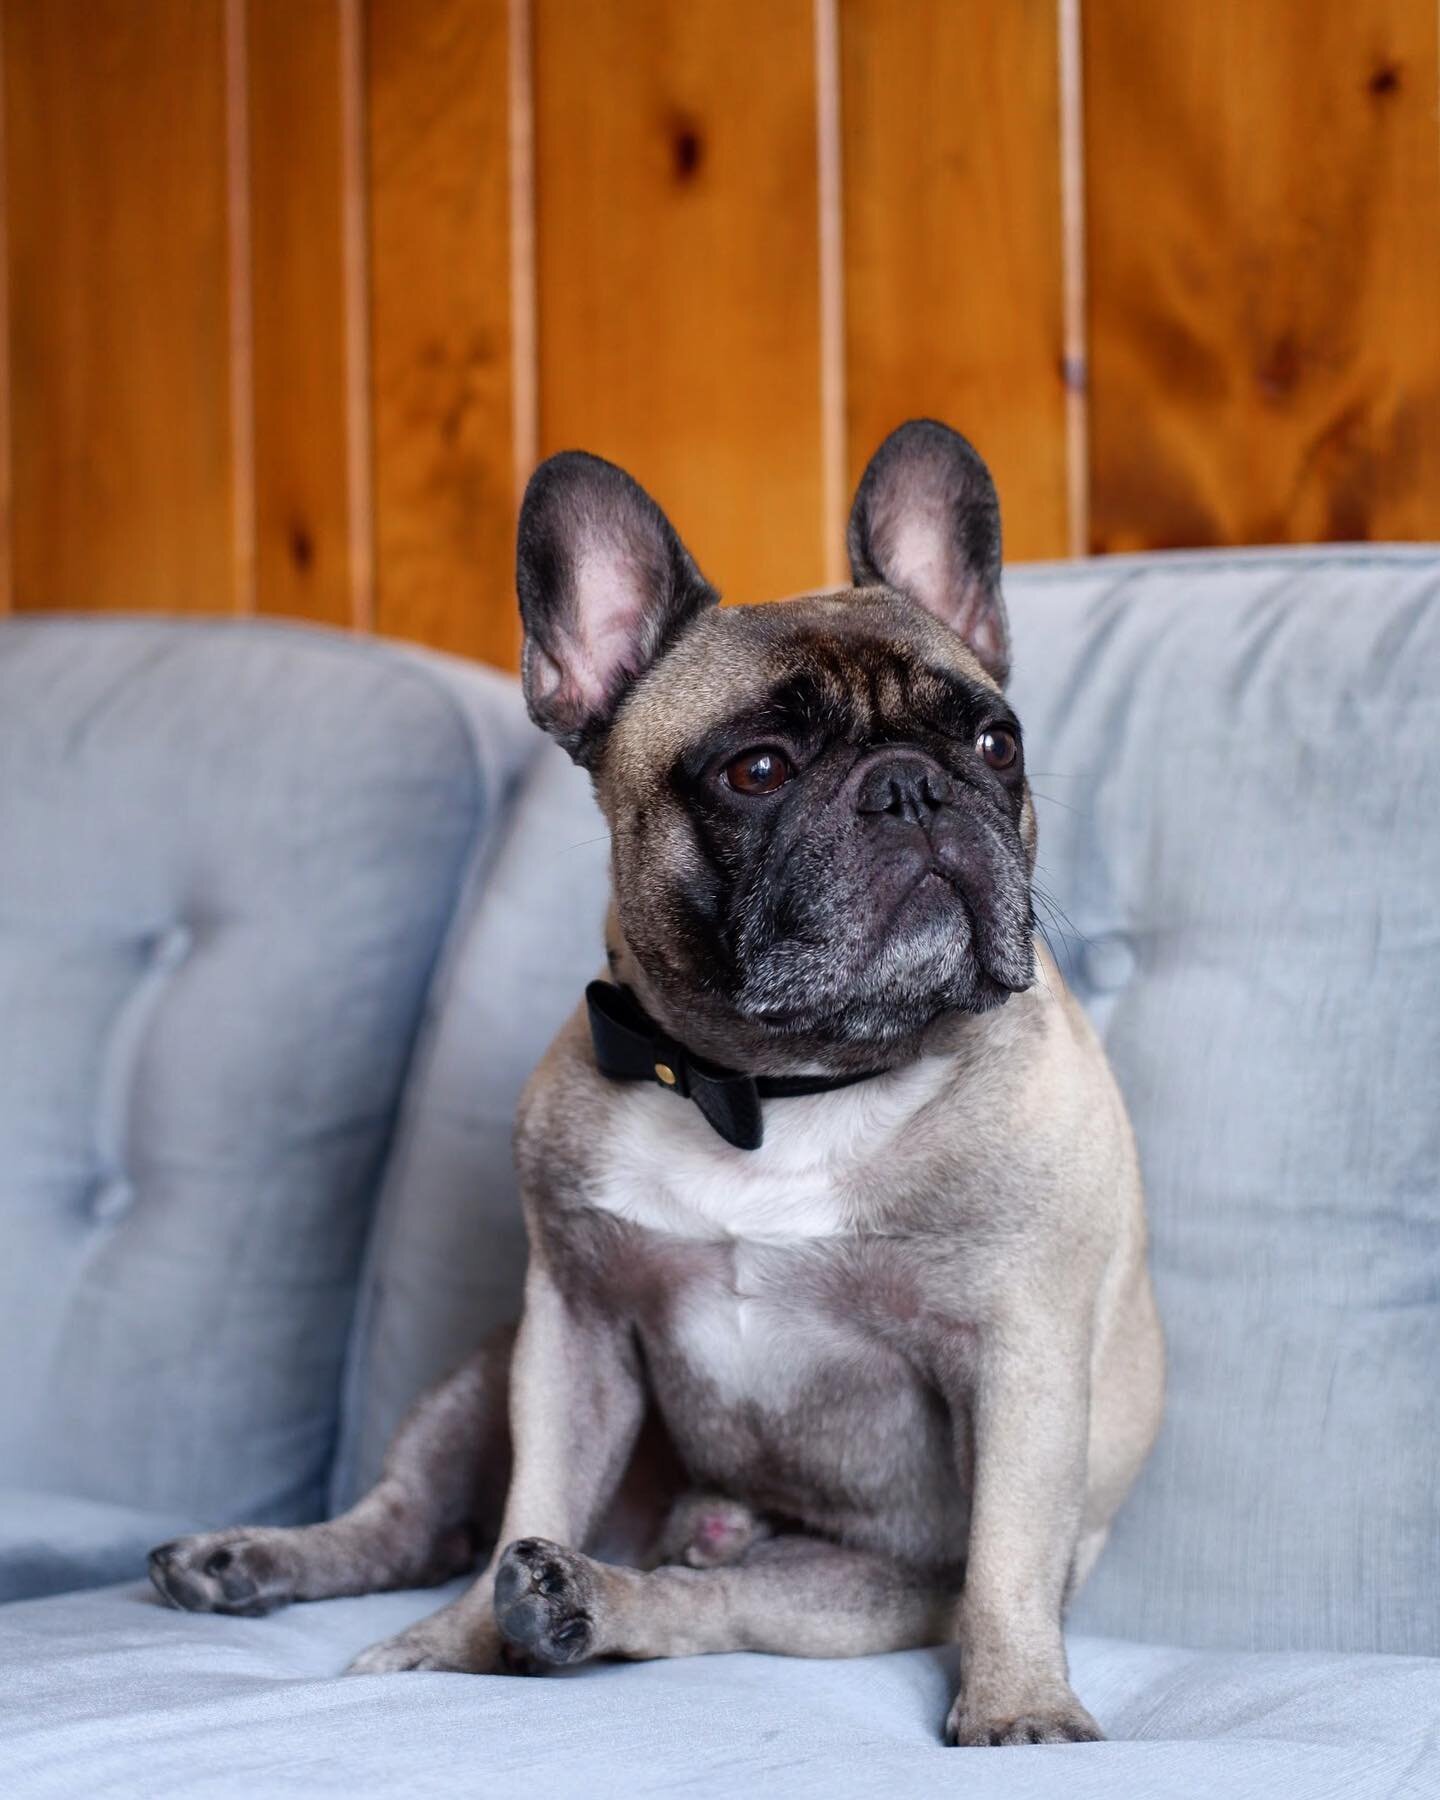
999,746
758,771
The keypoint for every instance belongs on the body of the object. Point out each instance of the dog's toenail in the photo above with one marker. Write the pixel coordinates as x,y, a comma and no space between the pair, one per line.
218,1563
551,1582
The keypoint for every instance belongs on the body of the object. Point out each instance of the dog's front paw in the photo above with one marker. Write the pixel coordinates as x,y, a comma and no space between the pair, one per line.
546,1601
431,1645
1064,1723
242,1572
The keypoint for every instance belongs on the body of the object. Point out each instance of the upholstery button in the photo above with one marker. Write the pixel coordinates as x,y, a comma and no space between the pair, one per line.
170,948
112,1199
1109,963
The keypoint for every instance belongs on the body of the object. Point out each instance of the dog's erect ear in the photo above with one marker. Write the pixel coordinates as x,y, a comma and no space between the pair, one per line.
926,521
605,585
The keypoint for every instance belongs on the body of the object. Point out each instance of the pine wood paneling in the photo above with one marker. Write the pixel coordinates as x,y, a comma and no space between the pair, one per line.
298,309
115,176
953,241
271,329
1263,199
440,324
678,268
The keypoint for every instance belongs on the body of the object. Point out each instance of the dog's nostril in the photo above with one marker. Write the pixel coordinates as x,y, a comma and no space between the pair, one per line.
939,789
903,788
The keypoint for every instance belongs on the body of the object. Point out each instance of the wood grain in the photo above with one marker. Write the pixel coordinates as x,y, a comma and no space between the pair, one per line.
953,243
1264,248
115,177
440,324
297,195
678,268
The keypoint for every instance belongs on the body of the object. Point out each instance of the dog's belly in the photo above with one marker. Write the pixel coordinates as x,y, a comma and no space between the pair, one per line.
776,1398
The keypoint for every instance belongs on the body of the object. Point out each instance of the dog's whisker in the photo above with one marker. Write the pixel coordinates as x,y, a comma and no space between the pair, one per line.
1052,801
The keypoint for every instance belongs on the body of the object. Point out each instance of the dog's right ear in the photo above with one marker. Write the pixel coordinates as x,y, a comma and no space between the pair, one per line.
605,586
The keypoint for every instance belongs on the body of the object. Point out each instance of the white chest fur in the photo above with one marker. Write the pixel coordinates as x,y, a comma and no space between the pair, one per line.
666,1169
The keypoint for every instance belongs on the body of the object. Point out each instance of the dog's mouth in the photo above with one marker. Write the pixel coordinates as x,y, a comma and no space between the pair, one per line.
929,950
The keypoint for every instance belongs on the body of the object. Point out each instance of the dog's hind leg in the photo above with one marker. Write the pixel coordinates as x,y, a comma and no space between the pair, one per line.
434,1509
789,1596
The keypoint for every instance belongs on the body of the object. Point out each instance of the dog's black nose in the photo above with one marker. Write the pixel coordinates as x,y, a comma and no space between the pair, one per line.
905,787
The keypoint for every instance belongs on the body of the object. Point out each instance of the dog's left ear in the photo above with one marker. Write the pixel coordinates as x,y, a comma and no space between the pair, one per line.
926,521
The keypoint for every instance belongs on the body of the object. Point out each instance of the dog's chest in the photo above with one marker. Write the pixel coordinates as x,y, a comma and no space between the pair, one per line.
761,1258
664,1168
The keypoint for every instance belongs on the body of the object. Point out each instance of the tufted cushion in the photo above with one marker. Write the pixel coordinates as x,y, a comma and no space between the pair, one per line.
228,858
1236,760
448,1252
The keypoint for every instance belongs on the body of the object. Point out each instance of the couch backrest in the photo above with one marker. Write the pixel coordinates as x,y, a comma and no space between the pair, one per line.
229,856
1236,759
447,1255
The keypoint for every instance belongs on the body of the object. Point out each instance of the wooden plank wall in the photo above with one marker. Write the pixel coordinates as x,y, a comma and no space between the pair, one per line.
1264,224
295,291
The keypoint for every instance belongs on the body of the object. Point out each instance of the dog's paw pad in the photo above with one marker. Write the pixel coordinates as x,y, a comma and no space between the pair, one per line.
224,1572
1051,1725
545,1602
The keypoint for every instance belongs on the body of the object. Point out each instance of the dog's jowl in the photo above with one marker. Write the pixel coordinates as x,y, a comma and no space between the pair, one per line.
828,1177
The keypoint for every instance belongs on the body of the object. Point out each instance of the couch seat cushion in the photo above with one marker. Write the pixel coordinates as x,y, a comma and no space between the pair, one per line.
110,1693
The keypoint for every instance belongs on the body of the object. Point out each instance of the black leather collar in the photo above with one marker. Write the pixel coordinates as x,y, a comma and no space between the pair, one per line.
630,1046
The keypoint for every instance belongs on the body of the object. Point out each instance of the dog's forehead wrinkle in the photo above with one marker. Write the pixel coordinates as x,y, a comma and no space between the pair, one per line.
679,702
834,696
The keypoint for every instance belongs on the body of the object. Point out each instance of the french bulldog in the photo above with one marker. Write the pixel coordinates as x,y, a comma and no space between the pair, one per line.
830,1176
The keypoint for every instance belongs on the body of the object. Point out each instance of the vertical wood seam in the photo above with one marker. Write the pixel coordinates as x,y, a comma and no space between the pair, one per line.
831,246
242,320
524,330
1076,365
7,558
355,277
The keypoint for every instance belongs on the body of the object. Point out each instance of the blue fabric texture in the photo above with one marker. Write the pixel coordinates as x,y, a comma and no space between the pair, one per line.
230,858
448,1252
109,1694
53,1543
1237,761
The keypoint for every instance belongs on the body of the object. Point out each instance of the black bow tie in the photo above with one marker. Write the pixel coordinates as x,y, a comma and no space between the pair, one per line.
630,1046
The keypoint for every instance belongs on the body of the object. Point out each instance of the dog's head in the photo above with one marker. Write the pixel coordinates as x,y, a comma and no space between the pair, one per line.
823,838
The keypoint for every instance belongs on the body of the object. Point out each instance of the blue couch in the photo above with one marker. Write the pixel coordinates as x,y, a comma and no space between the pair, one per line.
285,917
